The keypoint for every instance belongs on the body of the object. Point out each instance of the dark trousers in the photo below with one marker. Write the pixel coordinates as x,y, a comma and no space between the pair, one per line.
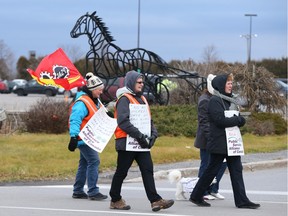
124,162
205,157
236,176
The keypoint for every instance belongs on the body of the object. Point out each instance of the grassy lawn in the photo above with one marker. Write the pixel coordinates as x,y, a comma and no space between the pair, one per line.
27,157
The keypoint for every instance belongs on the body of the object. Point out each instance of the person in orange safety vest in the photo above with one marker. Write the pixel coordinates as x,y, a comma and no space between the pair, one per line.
86,104
127,134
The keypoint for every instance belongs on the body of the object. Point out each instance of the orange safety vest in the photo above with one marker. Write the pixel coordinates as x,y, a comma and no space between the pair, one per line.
91,106
119,133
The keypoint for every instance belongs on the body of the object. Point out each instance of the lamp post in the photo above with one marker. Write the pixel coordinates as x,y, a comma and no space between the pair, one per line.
249,38
138,35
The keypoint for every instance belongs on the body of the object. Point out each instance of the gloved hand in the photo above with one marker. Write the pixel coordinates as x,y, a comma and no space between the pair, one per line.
241,121
152,140
72,144
142,141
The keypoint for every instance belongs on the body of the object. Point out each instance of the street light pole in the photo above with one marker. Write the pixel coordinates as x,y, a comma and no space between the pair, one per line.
249,38
138,35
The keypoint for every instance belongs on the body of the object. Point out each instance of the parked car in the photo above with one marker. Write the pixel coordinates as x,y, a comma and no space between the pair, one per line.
282,87
33,87
3,87
68,93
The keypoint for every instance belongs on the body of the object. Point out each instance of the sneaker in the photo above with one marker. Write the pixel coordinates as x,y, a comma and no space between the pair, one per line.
98,197
250,205
209,197
161,204
218,196
80,196
120,205
201,203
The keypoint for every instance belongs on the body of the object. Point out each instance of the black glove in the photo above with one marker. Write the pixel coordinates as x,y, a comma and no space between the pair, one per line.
241,121
72,144
152,140
110,114
142,141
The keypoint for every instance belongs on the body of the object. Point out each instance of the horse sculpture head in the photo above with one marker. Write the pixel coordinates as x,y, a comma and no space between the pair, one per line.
88,24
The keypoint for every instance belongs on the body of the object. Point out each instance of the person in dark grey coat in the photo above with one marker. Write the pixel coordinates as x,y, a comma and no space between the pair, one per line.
132,94
217,146
201,140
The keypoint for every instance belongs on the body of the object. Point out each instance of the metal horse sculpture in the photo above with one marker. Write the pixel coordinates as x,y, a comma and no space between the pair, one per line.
110,61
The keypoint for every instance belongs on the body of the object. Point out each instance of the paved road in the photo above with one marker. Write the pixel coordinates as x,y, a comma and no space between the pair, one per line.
267,187
12,102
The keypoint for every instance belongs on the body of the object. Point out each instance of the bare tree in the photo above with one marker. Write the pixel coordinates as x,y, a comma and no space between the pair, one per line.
259,89
6,61
210,57
73,52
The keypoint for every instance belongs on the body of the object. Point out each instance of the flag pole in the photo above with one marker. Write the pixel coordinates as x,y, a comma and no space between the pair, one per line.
102,104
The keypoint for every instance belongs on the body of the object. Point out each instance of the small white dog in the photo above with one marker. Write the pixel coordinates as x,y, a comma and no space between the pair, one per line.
183,185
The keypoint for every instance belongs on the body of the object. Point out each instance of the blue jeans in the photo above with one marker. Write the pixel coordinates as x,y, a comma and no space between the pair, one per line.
87,169
205,158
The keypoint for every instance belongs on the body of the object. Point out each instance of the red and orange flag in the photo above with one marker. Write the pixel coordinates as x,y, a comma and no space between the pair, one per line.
57,70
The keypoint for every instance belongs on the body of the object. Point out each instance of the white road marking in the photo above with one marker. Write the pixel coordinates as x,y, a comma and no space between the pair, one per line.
88,211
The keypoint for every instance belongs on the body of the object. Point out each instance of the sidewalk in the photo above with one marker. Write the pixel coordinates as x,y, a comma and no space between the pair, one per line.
190,168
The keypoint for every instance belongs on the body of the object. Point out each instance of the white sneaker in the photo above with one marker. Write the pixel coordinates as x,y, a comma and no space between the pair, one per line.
209,197
218,196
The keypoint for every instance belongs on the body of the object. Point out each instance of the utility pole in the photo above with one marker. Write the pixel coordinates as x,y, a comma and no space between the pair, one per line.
138,35
249,38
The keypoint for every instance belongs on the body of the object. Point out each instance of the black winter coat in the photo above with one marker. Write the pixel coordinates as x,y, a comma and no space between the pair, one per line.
217,143
203,122
218,122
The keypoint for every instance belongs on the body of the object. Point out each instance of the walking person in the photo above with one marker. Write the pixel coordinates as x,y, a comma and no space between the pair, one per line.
217,145
202,137
128,96
86,104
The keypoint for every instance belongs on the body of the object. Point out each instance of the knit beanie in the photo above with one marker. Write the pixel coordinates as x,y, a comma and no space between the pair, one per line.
93,82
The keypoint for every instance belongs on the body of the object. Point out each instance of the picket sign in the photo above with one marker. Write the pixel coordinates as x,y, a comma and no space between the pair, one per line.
235,146
141,119
98,130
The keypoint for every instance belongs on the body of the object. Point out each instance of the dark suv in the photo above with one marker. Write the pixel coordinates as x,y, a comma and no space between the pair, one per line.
33,87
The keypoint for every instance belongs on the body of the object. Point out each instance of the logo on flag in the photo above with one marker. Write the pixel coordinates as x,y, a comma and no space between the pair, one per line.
57,70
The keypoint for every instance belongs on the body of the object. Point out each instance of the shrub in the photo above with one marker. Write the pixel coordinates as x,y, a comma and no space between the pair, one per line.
51,116
175,120
47,116
267,123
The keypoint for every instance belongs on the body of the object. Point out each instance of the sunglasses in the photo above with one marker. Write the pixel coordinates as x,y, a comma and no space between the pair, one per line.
141,82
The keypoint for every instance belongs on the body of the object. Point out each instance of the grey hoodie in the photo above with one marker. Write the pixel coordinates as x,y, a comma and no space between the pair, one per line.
123,111
129,82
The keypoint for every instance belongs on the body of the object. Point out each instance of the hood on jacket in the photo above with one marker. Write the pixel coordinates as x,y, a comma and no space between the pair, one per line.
130,80
122,91
210,77
219,82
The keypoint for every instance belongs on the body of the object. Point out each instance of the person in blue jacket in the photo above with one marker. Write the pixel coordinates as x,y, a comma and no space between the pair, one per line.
86,104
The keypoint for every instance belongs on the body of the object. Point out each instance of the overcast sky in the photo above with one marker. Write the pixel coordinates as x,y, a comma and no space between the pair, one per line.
174,29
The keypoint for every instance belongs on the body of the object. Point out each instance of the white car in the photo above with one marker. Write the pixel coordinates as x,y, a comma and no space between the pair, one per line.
20,81
68,93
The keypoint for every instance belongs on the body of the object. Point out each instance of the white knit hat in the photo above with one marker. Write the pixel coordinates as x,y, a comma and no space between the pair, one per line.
93,82
209,83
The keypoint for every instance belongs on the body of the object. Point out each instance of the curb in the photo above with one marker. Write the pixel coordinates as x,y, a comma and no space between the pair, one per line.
162,174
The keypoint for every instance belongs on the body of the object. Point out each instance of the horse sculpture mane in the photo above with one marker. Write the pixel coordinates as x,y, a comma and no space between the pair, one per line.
102,27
